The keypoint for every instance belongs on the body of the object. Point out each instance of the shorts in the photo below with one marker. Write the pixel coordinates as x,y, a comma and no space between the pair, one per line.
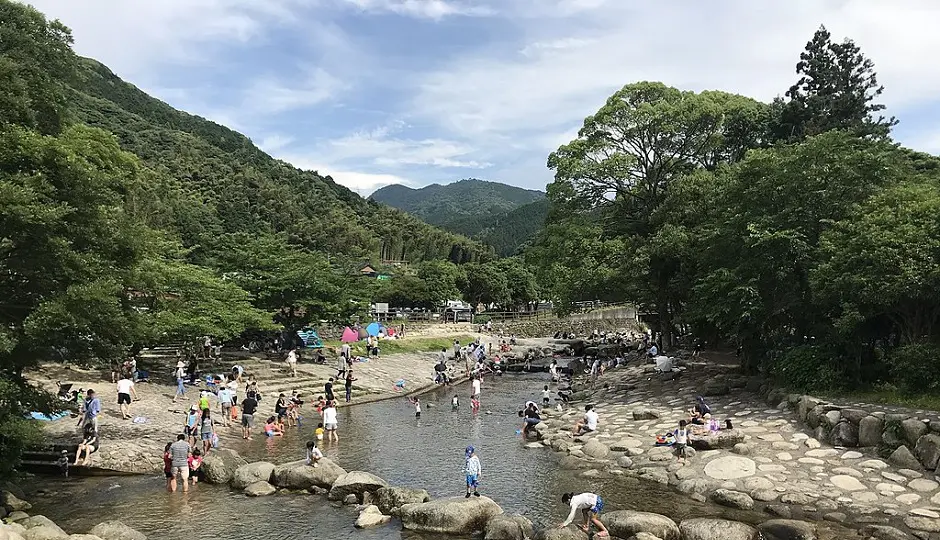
679,450
598,506
168,474
207,436
124,398
247,420
182,472
472,480
192,431
546,400
331,426
532,421
417,415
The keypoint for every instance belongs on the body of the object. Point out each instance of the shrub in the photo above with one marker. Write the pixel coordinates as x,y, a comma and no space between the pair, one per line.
914,368
807,368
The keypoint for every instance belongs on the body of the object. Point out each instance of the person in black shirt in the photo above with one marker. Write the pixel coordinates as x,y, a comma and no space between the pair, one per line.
249,406
532,417
328,390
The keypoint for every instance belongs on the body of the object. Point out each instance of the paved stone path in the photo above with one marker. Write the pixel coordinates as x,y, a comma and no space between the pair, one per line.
776,464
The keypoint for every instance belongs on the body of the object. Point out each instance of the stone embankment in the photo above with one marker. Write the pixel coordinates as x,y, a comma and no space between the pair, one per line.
770,462
19,525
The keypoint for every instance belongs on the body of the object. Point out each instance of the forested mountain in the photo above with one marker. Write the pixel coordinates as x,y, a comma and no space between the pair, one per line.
476,208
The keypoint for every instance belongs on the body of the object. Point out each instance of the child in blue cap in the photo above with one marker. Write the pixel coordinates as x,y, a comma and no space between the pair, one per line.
473,470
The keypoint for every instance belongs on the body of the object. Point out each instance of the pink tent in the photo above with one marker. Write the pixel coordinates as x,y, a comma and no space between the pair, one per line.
349,335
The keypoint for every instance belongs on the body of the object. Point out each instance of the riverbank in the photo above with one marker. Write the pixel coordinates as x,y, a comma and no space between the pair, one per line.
769,461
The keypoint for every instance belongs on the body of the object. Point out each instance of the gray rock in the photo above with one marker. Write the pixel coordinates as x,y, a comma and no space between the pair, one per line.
902,457
814,416
351,499
764,495
390,499
733,499
260,489
885,532
115,530
927,450
573,463
844,434
595,449
725,438
779,510
654,474
804,405
220,465
39,521
554,533
626,523
625,462
561,445
787,529
796,498
741,448
507,527
831,418
355,483
692,485
246,475
44,532
12,503
454,515
869,431
299,475
919,523
854,415
18,515
645,414
913,429
712,529
716,388
371,516
644,536
892,437
79,537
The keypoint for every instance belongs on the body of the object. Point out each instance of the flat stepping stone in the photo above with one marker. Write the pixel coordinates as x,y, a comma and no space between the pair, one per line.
889,487
908,498
822,452
873,464
730,468
865,496
852,454
810,461
758,484
910,473
924,512
742,413
847,483
799,437
771,467
784,456
893,477
811,443
922,485
783,445
770,437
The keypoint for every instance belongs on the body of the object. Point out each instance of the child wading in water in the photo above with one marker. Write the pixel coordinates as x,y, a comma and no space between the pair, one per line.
682,439
454,403
417,404
473,470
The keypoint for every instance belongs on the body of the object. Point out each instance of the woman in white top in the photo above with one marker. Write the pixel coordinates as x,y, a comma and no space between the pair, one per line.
329,421
590,505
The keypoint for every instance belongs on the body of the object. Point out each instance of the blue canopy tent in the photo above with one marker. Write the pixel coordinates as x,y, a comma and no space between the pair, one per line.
310,338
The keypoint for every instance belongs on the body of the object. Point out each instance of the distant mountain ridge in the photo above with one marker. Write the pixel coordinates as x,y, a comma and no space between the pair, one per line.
498,214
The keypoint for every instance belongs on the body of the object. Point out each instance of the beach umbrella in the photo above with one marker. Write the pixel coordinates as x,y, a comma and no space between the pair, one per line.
363,334
349,335
373,329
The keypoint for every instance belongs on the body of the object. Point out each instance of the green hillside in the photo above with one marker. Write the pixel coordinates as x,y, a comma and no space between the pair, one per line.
477,208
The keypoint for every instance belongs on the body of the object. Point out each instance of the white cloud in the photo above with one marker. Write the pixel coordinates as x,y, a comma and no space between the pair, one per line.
428,9
385,151
273,143
363,183
554,45
272,95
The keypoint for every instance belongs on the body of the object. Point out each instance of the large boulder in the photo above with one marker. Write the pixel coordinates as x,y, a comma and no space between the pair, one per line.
355,483
39,521
390,499
115,530
869,431
567,533
595,449
12,531
626,523
854,415
220,465
260,489
725,438
371,516
787,529
928,450
454,515
45,532
250,473
844,434
12,503
645,414
299,475
712,529
507,527
902,457
80,537
733,499
913,429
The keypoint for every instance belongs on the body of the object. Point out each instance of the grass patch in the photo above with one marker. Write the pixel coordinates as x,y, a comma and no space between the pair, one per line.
889,396
407,345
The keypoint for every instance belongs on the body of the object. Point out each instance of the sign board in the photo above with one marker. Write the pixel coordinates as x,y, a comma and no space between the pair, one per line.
381,308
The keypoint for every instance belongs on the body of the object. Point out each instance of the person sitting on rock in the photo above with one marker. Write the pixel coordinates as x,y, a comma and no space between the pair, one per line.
588,423
698,412
314,455
89,445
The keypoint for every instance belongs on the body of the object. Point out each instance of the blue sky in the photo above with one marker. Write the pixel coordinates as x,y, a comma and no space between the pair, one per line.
375,92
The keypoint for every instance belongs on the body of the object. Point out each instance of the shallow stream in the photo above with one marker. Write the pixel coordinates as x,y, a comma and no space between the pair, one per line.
383,438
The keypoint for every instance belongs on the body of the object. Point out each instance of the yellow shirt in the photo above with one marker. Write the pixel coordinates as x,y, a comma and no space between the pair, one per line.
319,432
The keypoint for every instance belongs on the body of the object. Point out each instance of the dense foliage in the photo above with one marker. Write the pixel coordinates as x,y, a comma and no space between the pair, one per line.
502,216
797,230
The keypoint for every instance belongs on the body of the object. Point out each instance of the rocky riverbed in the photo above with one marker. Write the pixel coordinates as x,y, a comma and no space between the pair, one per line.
769,461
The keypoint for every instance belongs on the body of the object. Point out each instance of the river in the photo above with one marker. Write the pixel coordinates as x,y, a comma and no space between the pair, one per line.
383,438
